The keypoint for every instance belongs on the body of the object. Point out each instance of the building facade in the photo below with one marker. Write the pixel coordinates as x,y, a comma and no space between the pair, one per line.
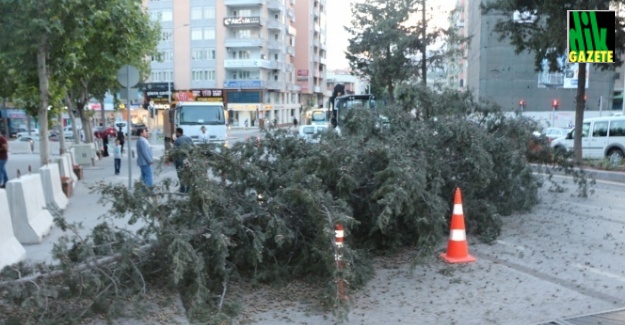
495,72
241,52
310,61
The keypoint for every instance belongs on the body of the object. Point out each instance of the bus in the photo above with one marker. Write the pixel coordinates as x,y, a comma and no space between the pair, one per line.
344,103
319,117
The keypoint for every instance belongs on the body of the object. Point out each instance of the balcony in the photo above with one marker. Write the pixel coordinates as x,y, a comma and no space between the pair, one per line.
290,50
275,25
296,87
317,89
275,5
322,60
244,84
316,43
290,67
275,45
244,3
316,58
322,46
244,42
317,28
248,64
252,21
277,85
292,30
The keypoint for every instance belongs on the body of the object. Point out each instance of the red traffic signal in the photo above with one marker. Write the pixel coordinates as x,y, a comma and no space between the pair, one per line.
555,104
522,103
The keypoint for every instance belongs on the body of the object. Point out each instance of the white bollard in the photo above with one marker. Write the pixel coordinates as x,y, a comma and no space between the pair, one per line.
27,203
11,251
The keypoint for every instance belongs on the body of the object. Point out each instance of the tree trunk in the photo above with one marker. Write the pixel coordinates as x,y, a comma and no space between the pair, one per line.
61,137
102,112
580,104
6,118
42,73
72,119
86,124
424,68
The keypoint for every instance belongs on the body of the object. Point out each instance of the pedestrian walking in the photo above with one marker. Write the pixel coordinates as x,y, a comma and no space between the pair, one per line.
117,155
121,138
181,147
144,157
246,123
105,144
295,122
4,157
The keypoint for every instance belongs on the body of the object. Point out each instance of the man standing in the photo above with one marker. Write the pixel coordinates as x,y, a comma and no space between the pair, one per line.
204,137
4,157
121,138
144,157
181,145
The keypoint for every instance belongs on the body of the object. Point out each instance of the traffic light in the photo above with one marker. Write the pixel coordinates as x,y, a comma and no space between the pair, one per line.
555,104
522,103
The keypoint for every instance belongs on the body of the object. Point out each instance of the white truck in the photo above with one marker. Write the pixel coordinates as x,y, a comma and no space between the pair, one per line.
192,116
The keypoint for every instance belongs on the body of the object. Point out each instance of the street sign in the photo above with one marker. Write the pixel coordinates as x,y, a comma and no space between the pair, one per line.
128,76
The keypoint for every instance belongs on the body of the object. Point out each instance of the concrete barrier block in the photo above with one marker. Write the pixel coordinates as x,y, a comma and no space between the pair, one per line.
72,175
20,147
65,168
82,154
55,147
27,203
52,189
11,251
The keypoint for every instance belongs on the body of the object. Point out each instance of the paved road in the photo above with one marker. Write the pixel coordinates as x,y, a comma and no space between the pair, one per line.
565,258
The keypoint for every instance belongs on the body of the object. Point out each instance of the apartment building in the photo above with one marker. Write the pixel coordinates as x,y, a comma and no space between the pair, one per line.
310,58
241,52
456,64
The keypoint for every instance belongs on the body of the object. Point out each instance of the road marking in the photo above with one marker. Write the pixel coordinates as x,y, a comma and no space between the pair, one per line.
600,272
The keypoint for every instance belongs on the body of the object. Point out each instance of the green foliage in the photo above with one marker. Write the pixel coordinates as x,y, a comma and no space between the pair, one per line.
266,212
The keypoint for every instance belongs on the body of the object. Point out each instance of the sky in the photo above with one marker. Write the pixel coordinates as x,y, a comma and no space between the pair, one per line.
338,14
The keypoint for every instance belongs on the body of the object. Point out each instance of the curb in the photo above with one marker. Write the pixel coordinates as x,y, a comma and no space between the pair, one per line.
603,175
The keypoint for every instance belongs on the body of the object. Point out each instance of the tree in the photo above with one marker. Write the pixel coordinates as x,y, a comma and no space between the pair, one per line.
120,33
54,42
382,44
544,32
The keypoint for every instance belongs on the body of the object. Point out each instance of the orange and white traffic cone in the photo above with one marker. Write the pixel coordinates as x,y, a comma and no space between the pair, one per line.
457,248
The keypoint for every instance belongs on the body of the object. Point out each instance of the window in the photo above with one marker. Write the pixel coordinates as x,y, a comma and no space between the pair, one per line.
241,75
196,34
242,55
166,35
244,33
209,12
600,129
168,55
166,15
617,128
196,13
202,54
162,75
209,33
202,75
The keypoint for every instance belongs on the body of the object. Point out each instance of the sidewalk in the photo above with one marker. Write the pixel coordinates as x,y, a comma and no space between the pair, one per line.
84,207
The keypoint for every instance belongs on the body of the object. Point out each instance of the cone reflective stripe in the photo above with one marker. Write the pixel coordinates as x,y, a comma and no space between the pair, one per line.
457,247
338,235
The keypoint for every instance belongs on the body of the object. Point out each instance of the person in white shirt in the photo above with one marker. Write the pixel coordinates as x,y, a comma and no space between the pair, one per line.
204,138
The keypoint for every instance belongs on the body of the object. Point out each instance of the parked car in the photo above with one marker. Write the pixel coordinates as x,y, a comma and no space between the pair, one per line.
29,138
602,137
551,134
24,132
311,133
108,132
68,132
